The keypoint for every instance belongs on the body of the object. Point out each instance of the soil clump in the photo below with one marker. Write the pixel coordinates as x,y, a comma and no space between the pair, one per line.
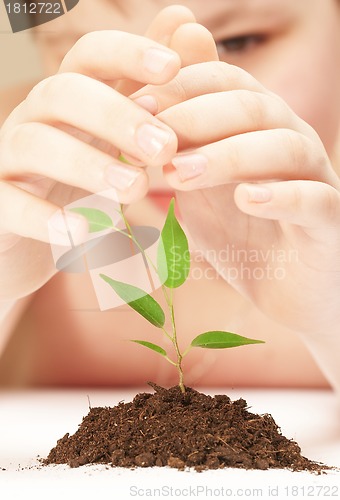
168,428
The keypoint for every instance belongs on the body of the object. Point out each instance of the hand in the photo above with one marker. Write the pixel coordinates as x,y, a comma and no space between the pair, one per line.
65,138
257,192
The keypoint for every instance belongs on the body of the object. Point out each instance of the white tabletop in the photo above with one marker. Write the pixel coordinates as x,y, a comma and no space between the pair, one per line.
32,421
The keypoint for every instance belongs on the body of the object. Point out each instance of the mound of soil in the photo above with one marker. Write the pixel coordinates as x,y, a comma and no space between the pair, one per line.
169,428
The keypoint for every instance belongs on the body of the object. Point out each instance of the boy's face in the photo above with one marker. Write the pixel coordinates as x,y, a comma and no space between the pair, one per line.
292,47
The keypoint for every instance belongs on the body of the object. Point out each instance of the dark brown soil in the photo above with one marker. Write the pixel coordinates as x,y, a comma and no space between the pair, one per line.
191,430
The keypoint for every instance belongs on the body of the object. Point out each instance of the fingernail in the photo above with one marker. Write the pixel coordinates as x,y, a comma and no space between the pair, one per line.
258,194
68,229
156,60
147,102
152,139
190,165
121,178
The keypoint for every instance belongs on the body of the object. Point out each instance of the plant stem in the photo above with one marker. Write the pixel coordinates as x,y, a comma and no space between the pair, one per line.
131,235
169,301
175,343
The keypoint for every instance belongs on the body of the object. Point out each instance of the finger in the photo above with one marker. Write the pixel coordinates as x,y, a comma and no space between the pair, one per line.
167,21
141,59
25,148
209,118
196,80
96,109
160,30
255,156
194,44
310,204
26,215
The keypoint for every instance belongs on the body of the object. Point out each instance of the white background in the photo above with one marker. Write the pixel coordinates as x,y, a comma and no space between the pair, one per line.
31,423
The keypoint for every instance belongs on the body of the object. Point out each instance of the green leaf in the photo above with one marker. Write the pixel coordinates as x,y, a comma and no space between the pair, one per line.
151,346
122,158
222,340
173,259
139,300
97,219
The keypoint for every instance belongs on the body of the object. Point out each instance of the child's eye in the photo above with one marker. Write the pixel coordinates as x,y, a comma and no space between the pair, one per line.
239,44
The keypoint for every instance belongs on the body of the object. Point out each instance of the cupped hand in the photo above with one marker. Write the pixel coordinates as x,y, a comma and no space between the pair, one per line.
257,192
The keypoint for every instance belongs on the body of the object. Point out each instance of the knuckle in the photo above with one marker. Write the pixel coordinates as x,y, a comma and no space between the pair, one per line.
304,157
50,91
84,44
17,143
233,160
330,203
295,146
181,119
86,48
40,89
295,199
253,107
85,40
10,146
178,88
263,111
185,120
235,77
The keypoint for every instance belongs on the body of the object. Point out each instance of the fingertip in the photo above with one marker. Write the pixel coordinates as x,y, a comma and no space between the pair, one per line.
147,102
66,228
167,21
161,64
180,12
255,193
194,43
171,176
252,198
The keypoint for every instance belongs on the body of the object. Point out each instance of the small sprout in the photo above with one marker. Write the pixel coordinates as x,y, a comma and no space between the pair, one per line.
173,266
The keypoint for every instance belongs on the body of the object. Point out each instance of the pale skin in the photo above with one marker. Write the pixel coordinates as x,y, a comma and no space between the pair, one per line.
257,172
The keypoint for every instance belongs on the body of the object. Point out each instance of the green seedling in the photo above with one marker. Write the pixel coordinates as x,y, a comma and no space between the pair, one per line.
173,265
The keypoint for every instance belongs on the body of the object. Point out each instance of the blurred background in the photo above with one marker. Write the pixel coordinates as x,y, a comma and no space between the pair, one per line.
18,57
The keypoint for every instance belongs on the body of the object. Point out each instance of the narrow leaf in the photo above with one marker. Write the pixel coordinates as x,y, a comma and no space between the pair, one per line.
122,158
97,219
139,300
222,340
173,251
151,346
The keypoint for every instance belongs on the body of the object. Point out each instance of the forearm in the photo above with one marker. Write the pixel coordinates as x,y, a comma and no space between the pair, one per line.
10,313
